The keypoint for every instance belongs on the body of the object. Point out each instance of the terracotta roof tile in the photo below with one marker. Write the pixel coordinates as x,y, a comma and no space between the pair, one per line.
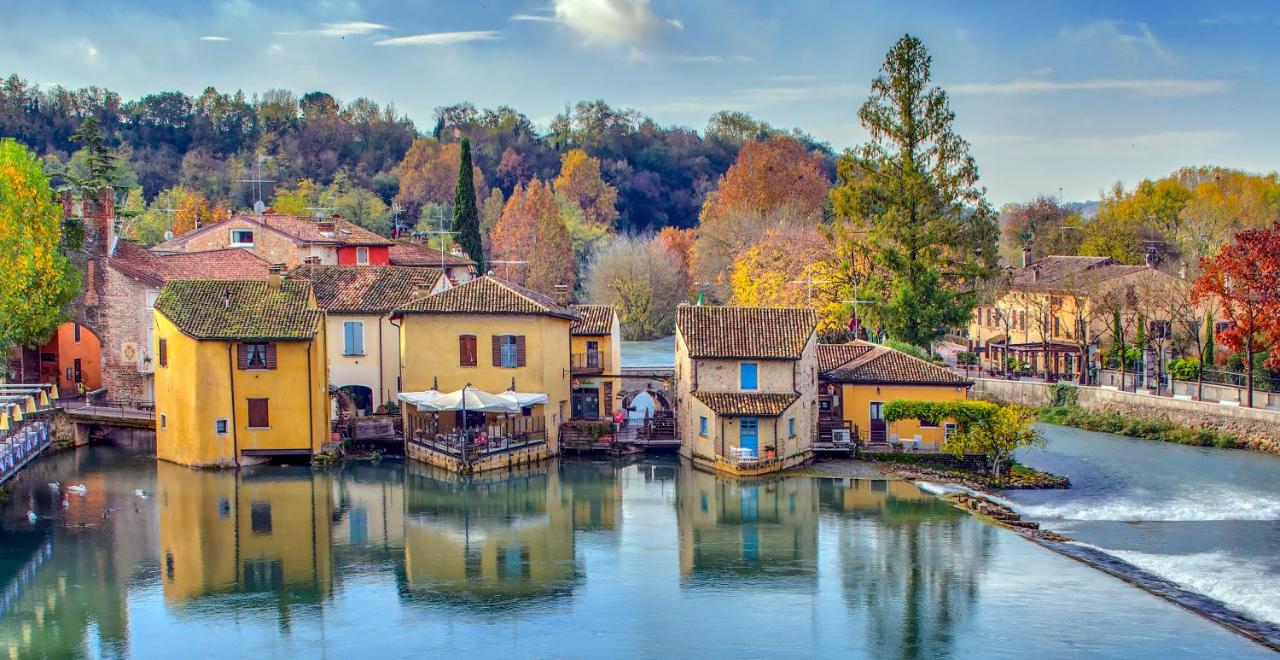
745,332
748,404
488,295
831,356
1057,273
416,254
156,269
240,309
881,365
300,230
596,320
366,289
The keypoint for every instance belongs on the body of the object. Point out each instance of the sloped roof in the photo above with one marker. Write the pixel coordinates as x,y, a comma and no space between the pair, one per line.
416,254
1061,273
155,269
236,310
778,333
488,295
831,356
299,230
881,365
366,289
748,404
596,320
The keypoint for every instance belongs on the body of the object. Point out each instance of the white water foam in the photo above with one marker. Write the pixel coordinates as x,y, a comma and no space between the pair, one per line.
939,489
1245,586
1208,506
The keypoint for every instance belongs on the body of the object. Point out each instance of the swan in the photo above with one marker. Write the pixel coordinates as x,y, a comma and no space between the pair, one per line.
79,489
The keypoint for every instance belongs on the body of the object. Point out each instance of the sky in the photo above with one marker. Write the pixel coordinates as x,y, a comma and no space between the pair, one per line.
1055,98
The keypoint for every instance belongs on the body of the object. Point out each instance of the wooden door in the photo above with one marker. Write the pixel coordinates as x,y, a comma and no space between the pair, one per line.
877,421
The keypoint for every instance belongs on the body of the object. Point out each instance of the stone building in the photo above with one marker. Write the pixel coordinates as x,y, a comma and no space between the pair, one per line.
288,240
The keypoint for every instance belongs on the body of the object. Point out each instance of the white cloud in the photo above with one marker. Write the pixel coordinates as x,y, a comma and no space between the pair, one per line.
1115,36
275,49
611,21
214,37
346,29
440,38
1149,87
534,18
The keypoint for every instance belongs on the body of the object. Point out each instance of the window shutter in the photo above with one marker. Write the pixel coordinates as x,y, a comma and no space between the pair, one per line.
519,350
242,356
258,415
271,356
497,350
358,338
467,350
164,352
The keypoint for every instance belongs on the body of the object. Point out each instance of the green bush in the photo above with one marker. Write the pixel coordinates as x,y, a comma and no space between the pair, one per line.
966,358
1064,394
914,351
1184,369
1137,427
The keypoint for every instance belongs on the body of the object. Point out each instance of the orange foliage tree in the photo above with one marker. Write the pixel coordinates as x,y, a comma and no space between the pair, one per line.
680,242
1244,279
531,230
580,183
790,267
428,173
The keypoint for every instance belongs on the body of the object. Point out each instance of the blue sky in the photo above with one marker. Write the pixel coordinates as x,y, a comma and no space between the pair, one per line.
1072,95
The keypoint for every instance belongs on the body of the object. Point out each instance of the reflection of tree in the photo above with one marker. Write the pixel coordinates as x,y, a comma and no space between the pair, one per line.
913,568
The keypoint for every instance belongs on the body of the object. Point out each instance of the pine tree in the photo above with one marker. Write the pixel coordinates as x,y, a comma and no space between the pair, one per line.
101,161
910,199
466,218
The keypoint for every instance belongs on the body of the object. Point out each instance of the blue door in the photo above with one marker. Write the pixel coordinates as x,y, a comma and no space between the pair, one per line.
749,433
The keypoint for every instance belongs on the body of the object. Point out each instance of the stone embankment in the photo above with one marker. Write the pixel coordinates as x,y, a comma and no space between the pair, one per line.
1002,515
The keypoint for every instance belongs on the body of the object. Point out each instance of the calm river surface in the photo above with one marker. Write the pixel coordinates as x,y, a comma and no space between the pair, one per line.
575,559
1205,519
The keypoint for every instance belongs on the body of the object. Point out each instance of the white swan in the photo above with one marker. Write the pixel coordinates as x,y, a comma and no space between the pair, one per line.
79,489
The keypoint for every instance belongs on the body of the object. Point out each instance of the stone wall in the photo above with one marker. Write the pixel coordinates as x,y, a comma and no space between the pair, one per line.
1258,428
125,320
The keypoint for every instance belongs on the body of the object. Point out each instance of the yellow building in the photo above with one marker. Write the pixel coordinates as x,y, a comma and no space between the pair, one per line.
857,379
506,536
240,372
245,533
596,361
1058,309
746,381
495,337
761,530
362,343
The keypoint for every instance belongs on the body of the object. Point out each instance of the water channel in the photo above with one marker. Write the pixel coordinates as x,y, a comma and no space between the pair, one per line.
573,559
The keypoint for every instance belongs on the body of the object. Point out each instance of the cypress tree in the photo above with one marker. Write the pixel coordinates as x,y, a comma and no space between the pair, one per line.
466,219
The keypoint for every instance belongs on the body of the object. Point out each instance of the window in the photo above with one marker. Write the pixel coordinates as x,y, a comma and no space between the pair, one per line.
508,351
164,352
791,427
163,421
241,238
260,517
258,417
947,430
926,424
353,337
467,351
76,330
257,355
748,376
220,426
362,256
702,426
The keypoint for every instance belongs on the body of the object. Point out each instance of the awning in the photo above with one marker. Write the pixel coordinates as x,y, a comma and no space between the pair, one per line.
472,400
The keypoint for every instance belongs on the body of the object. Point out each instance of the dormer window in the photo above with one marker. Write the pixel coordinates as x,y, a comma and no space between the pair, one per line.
241,238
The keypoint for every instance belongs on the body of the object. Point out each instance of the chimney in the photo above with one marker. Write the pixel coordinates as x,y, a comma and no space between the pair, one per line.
273,276
226,299
456,250
1026,256
562,295
1153,257
1035,274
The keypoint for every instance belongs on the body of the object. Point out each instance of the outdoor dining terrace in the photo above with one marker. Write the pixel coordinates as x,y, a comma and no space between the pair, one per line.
481,434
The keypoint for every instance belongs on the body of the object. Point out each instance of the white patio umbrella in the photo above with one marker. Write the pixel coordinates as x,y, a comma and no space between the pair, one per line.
419,399
470,399
524,399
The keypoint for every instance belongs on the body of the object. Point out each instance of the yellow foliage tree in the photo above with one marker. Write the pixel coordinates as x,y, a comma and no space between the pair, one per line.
790,267
580,183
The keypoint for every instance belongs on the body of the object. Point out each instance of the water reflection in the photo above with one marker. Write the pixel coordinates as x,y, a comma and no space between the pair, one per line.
593,558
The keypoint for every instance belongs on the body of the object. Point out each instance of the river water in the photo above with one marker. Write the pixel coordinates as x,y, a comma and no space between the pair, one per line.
572,559
1205,519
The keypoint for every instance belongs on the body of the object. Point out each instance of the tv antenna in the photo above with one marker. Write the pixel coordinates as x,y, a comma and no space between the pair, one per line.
442,233
507,263
257,182
809,281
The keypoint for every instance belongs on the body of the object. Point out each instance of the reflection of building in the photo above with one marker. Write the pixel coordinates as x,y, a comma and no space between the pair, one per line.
883,496
745,382
857,379
369,506
240,372
594,491
493,536
596,361
237,532
750,529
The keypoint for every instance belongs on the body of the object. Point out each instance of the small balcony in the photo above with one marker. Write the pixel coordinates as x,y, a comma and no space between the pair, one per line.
589,363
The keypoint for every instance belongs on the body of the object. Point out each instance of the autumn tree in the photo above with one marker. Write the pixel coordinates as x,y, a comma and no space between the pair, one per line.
37,281
722,238
913,189
642,279
532,231
790,267
466,217
429,173
769,175
680,242
490,213
580,183
1043,225
1244,279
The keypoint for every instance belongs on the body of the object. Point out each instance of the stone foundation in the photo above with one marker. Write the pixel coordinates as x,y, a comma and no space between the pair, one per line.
514,458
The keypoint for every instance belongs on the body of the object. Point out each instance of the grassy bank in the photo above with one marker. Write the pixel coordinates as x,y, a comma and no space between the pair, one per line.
1018,477
1147,428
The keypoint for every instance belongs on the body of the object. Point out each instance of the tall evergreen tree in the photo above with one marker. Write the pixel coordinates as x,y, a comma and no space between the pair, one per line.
909,200
466,218
101,161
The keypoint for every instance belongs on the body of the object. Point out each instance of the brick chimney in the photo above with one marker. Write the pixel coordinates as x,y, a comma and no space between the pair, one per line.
273,276
421,290
1026,256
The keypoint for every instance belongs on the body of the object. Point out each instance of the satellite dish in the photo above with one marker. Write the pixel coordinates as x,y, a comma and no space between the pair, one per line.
168,236
259,207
